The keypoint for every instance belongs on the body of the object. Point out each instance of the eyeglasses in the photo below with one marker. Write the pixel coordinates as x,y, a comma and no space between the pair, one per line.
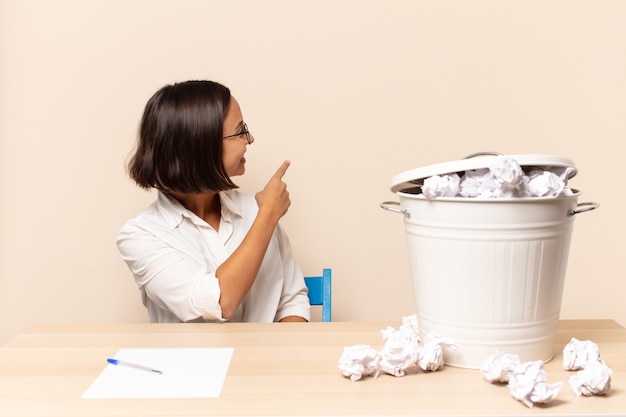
244,131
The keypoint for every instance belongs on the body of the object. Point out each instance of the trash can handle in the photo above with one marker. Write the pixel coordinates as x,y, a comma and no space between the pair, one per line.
482,153
393,206
583,207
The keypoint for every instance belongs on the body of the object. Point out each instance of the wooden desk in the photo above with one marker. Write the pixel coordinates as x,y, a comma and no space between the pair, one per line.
280,369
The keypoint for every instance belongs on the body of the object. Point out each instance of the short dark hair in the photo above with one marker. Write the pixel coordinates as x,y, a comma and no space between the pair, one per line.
179,147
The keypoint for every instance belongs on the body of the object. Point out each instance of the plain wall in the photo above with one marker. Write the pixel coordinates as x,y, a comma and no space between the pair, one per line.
353,92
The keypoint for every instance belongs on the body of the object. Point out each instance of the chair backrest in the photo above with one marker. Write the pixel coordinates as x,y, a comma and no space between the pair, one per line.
320,292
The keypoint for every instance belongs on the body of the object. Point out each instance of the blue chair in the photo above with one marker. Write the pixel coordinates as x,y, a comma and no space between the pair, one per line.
319,292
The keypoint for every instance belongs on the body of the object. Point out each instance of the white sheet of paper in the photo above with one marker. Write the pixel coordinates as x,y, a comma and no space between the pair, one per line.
187,373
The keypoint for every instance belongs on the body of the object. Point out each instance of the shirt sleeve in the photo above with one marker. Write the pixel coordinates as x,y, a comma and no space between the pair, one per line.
171,277
294,300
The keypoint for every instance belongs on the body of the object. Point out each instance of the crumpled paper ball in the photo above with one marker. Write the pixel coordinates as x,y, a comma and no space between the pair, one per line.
441,186
409,323
504,178
577,353
528,384
430,354
507,173
400,350
358,361
499,367
594,379
477,183
544,184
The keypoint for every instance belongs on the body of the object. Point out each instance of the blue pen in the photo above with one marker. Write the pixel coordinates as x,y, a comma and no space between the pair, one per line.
132,365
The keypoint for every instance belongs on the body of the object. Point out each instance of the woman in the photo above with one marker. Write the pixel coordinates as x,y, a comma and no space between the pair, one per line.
203,251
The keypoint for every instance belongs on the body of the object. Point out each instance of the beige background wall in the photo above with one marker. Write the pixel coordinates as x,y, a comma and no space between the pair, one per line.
353,92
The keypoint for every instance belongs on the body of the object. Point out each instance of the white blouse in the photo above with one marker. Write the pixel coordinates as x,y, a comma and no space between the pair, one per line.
173,255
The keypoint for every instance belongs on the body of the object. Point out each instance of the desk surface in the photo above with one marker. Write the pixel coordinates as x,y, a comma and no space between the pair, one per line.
280,369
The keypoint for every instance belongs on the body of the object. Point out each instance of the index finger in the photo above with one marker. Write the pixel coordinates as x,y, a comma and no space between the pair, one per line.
280,172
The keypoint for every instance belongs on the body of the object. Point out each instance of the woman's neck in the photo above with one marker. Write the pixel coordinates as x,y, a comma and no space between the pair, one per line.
206,206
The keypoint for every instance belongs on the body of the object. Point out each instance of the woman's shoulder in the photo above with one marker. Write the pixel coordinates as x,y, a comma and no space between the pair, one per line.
162,213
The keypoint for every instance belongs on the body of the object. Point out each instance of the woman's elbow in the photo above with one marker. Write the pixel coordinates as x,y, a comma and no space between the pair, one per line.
228,310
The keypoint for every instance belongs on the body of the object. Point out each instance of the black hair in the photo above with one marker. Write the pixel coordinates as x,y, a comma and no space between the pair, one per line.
179,147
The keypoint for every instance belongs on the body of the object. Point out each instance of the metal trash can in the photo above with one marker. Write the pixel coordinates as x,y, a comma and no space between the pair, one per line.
488,273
